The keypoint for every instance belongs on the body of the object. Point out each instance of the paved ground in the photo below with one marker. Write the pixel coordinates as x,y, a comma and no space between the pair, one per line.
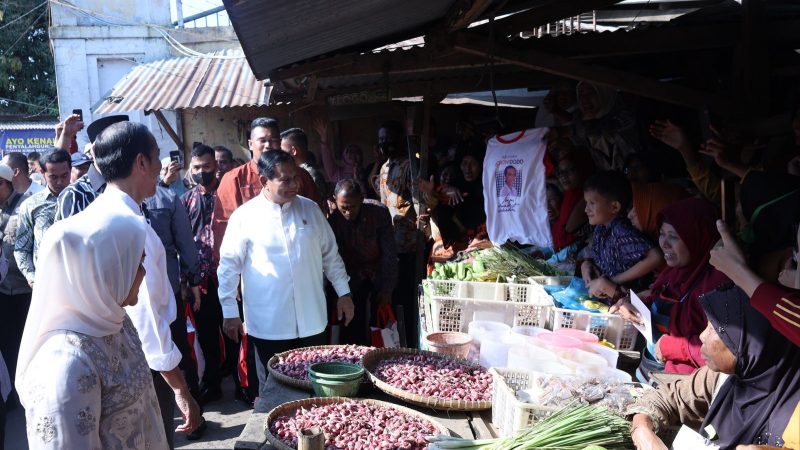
226,419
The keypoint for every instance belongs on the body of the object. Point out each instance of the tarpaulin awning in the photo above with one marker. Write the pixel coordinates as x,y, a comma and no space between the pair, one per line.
221,79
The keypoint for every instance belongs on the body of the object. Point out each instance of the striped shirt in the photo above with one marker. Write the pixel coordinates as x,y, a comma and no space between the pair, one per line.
80,194
781,306
35,217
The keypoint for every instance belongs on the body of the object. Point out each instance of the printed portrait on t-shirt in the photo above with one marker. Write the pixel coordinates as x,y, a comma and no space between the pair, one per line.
508,182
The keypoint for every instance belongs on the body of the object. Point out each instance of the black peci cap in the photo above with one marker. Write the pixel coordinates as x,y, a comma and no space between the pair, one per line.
95,128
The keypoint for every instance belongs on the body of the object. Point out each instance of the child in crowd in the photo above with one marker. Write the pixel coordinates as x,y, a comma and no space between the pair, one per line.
621,255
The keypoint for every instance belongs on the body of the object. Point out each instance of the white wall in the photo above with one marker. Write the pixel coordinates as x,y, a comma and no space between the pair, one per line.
91,55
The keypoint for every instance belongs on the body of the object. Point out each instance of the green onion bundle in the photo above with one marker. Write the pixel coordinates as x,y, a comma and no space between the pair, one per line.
576,427
510,262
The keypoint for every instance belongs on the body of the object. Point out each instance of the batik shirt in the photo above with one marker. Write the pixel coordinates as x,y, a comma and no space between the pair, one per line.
395,189
367,245
618,246
200,206
35,217
80,194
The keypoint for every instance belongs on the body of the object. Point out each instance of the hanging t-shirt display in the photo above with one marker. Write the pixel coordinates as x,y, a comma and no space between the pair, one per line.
514,188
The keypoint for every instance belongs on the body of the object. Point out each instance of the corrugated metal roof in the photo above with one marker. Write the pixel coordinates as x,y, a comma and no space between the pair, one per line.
276,34
27,125
191,82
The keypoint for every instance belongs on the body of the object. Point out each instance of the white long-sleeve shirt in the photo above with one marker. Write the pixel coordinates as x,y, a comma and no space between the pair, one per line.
280,253
155,310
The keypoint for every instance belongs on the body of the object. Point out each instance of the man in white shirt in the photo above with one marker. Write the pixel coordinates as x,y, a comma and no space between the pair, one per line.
280,245
510,176
126,155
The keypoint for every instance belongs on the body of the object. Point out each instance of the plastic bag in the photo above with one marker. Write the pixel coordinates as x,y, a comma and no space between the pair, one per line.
572,296
385,334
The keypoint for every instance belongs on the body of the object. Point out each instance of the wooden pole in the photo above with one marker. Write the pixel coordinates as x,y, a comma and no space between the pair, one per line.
168,128
311,439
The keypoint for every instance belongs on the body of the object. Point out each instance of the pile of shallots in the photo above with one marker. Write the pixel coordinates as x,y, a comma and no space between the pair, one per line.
356,425
431,376
295,364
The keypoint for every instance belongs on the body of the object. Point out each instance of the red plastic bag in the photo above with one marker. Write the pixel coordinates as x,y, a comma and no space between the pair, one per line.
194,343
385,334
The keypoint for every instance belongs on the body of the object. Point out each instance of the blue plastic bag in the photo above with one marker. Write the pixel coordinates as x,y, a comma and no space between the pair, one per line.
571,296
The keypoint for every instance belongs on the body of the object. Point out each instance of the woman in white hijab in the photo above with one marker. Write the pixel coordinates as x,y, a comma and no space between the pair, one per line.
604,126
82,376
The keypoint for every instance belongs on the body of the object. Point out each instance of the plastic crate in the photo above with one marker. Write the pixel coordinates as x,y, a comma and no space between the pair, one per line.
610,327
510,415
452,305
551,281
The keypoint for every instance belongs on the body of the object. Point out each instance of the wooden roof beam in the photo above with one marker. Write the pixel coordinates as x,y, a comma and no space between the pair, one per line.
564,67
472,83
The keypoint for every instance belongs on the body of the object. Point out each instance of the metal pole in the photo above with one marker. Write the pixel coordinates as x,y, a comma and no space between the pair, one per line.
179,11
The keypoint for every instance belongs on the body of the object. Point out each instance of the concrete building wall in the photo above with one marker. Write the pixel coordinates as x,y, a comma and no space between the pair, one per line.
91,55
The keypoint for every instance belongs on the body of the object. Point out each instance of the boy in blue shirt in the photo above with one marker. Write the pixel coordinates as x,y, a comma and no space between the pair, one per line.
621,254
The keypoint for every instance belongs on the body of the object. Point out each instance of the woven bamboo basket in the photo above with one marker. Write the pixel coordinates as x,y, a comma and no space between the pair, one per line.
288,409
373,358
294,382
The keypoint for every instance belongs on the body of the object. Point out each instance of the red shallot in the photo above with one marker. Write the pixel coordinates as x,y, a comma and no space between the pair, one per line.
437,377
356,425
295,364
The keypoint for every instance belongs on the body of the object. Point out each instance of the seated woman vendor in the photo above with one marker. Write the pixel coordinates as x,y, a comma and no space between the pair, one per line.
621,255
456,207
688,233
746,394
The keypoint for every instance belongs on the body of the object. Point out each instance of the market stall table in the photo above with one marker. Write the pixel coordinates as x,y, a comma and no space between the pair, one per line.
474,425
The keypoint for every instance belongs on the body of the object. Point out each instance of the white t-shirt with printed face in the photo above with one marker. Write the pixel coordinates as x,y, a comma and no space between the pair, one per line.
516,207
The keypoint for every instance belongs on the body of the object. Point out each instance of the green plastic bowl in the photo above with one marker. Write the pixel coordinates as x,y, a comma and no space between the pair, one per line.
336,371
332,388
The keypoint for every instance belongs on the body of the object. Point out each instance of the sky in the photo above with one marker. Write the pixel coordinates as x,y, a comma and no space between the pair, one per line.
191,7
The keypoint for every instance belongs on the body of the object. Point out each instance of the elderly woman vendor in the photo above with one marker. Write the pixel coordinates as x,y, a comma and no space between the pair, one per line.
746,394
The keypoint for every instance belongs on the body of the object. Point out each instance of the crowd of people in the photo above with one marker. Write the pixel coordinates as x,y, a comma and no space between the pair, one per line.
108,252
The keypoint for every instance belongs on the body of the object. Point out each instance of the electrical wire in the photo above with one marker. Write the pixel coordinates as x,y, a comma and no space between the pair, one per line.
44,108
23,15
633,22
162,30
4,99
24,32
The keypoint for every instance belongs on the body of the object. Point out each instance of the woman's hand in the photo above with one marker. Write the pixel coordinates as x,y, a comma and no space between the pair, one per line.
659,355
624,308
670,134
645,439
321,127
587,272
602,287
642,434
454,196
479,244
